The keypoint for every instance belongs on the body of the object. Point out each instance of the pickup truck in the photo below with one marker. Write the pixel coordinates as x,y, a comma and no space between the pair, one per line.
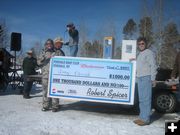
164,97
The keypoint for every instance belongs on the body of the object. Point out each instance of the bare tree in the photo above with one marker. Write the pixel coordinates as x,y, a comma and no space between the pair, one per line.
118,53
93,50
37,48
108,28
83,34
4,39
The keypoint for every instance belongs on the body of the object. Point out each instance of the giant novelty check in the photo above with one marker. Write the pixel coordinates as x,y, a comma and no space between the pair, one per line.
90,79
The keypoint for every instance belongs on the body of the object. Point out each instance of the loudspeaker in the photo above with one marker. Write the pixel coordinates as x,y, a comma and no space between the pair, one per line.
15,41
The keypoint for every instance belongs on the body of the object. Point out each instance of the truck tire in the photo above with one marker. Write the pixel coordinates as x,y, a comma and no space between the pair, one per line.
165,102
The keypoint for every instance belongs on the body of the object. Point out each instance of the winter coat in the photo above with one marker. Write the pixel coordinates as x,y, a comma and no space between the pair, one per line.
146,64
44,62
29,65
74,37
59,52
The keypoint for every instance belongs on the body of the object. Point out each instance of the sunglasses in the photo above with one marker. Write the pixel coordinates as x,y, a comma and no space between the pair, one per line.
48,43
141,44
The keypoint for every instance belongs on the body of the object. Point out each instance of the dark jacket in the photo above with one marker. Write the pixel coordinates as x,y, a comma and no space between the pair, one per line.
29,65
74,37
176,69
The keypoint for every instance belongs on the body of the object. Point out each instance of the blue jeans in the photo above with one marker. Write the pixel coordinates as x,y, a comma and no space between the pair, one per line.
73,50
145,97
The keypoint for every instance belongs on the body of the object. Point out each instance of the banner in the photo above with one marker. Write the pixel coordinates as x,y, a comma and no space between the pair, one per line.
90,79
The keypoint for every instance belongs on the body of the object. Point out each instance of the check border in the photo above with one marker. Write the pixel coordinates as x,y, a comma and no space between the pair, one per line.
89,98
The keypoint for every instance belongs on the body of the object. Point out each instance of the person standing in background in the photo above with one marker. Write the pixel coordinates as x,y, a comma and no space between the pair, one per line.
176,71
146,73
73,39
29,65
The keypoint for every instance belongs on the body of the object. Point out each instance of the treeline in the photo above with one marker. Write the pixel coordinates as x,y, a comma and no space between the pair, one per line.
161,30
164,42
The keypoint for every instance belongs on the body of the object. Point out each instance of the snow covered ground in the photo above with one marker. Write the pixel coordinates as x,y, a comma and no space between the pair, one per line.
20,116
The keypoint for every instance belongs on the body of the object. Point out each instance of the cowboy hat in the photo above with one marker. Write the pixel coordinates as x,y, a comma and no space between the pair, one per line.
29,52
58,40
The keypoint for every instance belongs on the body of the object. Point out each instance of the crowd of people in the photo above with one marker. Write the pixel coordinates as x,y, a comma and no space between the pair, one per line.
51,49
146,72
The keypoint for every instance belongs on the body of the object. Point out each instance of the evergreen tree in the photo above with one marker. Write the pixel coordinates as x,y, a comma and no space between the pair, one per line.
129,29
168,52
170,34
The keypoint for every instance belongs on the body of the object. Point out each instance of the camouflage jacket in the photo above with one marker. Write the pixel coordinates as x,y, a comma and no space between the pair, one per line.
44,61
59,52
